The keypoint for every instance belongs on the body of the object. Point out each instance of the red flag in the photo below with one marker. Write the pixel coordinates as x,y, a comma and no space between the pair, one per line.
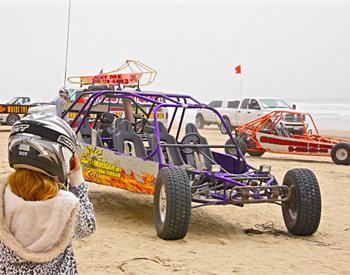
238,69
101,74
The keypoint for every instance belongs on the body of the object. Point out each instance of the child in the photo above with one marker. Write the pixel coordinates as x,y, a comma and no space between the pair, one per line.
38,218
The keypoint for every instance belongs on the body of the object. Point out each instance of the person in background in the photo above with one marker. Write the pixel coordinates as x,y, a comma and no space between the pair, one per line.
63,93
44,203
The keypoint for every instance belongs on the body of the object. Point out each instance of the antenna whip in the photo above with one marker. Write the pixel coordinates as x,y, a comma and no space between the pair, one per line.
65,70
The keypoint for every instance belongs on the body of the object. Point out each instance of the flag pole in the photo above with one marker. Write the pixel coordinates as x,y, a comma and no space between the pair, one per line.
240,75
239,71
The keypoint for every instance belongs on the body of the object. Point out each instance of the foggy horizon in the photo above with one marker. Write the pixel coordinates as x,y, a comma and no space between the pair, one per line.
287,49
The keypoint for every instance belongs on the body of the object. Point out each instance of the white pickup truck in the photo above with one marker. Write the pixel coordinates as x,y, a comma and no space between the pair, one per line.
236,113
207,117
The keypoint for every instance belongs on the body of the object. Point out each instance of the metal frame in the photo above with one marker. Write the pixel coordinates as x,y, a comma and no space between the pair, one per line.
268,121
249,185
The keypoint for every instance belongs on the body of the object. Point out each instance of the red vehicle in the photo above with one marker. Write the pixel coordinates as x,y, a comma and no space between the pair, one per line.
269,134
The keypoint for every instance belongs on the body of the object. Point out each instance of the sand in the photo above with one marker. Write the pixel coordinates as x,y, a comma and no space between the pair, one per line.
218,241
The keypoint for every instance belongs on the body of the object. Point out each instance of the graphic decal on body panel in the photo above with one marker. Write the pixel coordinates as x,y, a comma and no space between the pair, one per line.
105,167
291,145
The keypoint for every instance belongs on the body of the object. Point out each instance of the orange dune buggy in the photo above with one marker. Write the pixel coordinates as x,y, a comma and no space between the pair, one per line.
275,133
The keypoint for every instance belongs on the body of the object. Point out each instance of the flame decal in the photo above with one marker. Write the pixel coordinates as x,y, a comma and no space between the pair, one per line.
97,169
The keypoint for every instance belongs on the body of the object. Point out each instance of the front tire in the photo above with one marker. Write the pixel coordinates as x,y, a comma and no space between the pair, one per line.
11,119
341,153
302,211
172,203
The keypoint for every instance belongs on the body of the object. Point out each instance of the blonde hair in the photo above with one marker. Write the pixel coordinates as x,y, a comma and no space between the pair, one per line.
32,185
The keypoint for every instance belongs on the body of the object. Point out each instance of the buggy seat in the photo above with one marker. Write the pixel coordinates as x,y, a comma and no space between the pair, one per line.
201,158
127,141
171,155
89,135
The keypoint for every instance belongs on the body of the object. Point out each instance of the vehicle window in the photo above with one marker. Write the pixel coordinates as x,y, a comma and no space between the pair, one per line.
233,104
211,103
245,103
215,104
254,104
75,96
12,101
274,103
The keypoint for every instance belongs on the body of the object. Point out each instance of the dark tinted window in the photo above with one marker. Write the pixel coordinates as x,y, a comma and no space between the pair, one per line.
233,104
215,104
254,104
245,103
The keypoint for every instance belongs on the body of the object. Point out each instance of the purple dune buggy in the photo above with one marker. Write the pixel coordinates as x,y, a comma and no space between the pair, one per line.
170,159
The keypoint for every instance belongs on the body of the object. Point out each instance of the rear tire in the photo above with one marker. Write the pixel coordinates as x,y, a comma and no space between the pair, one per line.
255,153
222,127
11,119
199,122
172,203
241,144
341,153
302,211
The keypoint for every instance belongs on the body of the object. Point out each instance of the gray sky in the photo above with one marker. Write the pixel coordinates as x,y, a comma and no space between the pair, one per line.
287,49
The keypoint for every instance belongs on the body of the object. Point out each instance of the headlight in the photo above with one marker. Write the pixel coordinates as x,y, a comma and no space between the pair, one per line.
264,169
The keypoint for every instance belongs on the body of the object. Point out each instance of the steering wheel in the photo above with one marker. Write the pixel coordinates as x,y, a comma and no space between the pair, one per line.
140,124
189,150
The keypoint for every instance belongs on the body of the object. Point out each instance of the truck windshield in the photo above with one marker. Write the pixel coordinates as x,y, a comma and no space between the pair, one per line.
274,103
12,101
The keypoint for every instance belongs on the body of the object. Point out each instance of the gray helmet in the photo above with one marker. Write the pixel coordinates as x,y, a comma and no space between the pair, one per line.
63,91
44,143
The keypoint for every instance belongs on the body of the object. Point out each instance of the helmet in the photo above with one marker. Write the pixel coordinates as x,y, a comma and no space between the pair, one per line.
63,91
44,143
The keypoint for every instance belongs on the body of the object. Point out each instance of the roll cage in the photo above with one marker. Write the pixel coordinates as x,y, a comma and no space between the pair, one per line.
273,124
230,179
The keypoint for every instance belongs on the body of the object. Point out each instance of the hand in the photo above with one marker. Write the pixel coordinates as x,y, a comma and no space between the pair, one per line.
75,164
75,174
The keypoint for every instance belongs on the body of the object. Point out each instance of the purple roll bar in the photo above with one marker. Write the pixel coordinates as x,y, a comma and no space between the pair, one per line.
174,101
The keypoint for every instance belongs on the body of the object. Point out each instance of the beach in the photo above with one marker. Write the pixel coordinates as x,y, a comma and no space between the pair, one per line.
221,239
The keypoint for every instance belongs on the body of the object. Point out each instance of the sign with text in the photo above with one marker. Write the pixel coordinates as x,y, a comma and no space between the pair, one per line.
290,145
18,109
115,79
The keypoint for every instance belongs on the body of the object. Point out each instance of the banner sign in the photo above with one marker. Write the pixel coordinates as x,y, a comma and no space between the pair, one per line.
128,78
18,109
